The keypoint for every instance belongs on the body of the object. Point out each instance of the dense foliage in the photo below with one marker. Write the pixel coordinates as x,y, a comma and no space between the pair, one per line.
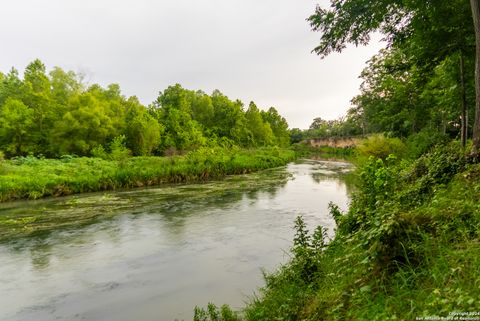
56,114
31,177
423,80
346,126
407,248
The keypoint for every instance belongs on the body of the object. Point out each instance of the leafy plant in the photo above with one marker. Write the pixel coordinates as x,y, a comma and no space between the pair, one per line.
213,313
379,146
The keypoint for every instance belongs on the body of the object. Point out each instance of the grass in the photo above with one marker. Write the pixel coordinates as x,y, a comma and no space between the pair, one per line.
33,178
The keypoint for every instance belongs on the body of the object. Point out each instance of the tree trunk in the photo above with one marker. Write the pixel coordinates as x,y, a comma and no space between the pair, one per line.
475,5
463,101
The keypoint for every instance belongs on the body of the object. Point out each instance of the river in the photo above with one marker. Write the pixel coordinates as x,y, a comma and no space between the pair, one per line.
154,253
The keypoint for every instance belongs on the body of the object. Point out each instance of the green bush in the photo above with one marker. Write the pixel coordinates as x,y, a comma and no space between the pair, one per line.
99,152
420,143
408,247
213,313
118,149
381,147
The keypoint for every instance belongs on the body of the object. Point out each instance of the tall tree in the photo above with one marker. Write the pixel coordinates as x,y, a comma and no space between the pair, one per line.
16,120
279,126
428,31
262,134
476,127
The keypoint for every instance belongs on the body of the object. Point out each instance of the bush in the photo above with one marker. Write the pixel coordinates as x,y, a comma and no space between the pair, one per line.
381,147
421,142
118,150
213,313
99,152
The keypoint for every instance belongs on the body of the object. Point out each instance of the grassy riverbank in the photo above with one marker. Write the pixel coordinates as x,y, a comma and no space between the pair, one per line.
32,178
408,247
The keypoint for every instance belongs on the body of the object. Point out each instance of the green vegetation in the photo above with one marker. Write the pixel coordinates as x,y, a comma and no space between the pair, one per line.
89,135
409,245
424,81
56,114
30,177
24,221
323,152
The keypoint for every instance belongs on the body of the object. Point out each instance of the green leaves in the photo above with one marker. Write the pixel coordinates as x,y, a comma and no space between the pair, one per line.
16,120
56,114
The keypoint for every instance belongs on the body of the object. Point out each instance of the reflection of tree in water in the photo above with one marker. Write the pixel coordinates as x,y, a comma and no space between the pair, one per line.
340,175
69,217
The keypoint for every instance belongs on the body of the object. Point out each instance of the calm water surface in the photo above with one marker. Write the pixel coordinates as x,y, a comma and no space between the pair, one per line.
153,254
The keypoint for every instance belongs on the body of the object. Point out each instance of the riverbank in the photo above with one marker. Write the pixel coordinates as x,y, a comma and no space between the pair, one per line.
408,248
33,178
153,253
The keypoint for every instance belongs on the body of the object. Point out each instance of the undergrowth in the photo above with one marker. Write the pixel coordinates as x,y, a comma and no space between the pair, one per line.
32,178
408,248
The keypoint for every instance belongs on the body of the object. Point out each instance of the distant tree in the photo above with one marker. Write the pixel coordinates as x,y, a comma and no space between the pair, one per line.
11,86
296,135
143,132
174,112
85,126
279,126
262,134
16,120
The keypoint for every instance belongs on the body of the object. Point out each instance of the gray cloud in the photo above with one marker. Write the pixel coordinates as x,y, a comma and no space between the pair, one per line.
251,50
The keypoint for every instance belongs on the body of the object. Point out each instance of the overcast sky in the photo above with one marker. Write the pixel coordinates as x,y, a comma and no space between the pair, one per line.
248,49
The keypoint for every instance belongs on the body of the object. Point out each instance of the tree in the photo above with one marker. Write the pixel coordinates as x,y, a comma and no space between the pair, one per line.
16,120
279,126
85,126
476,127
427,31
11,86
262,134
174,112
143,132
64,85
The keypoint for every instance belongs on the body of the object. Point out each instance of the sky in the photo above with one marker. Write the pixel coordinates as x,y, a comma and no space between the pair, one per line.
248,49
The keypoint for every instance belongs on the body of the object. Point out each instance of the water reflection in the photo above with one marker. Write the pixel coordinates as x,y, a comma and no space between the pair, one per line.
35,220
153,254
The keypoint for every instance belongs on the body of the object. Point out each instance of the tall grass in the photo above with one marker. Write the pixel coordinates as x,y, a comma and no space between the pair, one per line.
29,177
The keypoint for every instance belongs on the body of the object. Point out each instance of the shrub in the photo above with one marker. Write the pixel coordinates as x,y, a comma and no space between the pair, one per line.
423,141
381,147
99,152
118,150
213,313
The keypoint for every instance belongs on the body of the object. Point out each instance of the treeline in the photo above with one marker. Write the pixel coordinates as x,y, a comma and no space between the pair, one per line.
54,114
423,82
401,97
345,126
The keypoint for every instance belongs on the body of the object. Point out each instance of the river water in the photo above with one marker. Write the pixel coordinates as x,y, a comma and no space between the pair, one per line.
153,254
